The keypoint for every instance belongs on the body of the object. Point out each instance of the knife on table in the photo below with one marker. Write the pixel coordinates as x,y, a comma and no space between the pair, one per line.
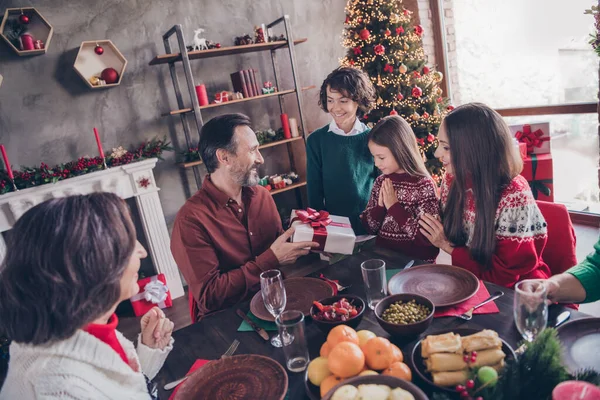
263,334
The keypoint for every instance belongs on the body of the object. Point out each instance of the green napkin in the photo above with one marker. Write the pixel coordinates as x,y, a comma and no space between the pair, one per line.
266,325
391,272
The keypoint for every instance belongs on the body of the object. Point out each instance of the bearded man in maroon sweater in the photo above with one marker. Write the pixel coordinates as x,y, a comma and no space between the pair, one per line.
229,231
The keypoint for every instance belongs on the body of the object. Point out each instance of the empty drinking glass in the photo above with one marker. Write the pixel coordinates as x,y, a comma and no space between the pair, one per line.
273,294
295,348
530,309
373,272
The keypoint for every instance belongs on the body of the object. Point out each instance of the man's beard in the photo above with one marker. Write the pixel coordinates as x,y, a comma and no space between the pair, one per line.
246,178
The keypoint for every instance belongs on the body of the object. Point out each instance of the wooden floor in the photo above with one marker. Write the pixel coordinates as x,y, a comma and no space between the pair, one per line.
129,325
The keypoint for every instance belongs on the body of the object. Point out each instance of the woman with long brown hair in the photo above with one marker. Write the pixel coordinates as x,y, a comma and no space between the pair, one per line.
491,224
70,262
402,193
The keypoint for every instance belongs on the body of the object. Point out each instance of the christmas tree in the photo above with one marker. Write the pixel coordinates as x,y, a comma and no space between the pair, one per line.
382,41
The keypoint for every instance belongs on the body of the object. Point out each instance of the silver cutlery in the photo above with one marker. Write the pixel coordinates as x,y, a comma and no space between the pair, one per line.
232,348
469,314
562,317
408,265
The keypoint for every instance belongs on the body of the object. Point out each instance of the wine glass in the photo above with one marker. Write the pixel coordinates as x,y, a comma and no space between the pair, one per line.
273,294
530,309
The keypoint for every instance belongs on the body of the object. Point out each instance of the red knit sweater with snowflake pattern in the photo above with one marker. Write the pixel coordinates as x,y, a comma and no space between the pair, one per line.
521,235
398,227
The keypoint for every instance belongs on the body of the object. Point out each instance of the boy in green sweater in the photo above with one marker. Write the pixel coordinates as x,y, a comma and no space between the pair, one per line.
580,284
340,168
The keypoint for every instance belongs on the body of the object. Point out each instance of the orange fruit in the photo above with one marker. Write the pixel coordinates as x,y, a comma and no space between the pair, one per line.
399,370
346,360
398,357
329,383
364,336
341,333
325,349
379,353
367,372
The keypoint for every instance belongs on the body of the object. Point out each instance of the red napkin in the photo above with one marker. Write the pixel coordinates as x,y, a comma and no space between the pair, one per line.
197,364
481,295
332,283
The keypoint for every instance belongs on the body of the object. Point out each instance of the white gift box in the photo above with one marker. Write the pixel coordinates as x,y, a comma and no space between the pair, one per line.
339,239
539,131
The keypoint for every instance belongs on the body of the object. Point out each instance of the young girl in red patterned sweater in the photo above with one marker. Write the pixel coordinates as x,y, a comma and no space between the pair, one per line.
491,225
402,193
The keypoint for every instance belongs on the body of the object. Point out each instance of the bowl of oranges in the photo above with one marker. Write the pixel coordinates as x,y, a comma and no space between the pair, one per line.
347,353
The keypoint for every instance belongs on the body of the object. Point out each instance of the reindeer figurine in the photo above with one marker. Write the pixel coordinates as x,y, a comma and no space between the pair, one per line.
199,43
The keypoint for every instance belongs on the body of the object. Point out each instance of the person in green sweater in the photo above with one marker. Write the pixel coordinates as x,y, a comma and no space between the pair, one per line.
340,168
579,284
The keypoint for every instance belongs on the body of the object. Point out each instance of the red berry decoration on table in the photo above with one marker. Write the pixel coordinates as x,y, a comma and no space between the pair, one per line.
393,112
465,359
99,50
24,19
470,384
425,70
379,50
417,92
364,34
109,75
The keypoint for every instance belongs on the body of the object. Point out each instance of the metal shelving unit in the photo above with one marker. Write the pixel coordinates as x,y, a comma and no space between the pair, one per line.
184,56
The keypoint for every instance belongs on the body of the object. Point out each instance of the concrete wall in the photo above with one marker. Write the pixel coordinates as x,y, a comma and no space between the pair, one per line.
47,112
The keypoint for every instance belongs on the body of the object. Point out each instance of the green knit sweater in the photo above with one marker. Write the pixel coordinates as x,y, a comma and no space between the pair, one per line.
588,273
340,174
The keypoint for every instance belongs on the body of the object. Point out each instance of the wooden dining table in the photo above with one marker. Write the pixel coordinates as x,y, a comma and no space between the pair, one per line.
210,338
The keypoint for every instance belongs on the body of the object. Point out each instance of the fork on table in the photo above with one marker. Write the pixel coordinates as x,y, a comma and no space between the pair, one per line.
469,314
232,348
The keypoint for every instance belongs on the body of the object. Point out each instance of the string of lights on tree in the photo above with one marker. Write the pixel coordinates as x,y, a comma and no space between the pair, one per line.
382,41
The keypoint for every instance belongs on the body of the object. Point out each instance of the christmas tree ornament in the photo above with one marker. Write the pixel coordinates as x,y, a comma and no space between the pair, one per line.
406,47
109,75
430,139
425,115
418,30
450,108
387,33
23,19
200,43
406,12
388,68
379,100
379,82
416,75
357,51
218,45
415,116
417,92
400,97
379,49
364,34
347,21
99,49
438,91
38,45
439,99
359,20
393,112
425,70
438,76
399,31
402,68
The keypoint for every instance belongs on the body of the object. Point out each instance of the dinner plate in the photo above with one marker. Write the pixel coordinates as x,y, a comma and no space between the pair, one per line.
419,364
444,285
242,377
581,344
387,380
300,294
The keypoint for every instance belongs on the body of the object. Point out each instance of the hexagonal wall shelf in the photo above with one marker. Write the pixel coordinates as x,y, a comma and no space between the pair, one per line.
90,65
38,28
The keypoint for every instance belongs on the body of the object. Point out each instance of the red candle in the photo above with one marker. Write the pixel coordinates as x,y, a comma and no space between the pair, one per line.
202,95
6,162
285,123
99,143
575,390
26,42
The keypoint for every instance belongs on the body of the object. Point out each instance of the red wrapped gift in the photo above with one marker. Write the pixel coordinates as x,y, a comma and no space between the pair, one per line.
536,137
523,150
537,169
153,292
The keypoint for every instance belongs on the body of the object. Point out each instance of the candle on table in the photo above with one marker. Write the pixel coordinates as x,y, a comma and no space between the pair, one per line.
100,151
285,123
294,127
575,390
6,162
202,95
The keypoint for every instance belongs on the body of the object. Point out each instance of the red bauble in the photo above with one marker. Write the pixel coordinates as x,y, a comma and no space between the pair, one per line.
364,34
417,92
430,137
450,108
425,70
418,30
400,97
416,74
406,12
99,50
24,19
425,115
388,68
393,112
347,21
218,45
439,99
379,50
357,51
399,31
387,32
109,75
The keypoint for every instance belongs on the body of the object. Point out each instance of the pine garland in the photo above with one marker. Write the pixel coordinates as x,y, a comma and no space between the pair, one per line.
534,374
36,176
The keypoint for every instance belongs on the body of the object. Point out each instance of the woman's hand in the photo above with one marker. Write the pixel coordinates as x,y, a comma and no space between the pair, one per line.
389,194
432,229
156,329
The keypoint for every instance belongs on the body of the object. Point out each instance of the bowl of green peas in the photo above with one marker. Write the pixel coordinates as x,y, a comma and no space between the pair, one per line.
405,314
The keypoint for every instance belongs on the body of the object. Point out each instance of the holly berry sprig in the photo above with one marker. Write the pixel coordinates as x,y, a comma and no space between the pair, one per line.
485,376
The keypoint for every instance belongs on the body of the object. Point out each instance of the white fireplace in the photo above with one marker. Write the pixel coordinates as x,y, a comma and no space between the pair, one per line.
132,180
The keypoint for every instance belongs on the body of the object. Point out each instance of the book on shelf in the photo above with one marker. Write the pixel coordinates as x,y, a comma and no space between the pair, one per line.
239,84
249,85
255,81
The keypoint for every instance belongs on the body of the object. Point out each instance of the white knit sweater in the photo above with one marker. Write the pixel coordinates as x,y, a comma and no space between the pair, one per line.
81,367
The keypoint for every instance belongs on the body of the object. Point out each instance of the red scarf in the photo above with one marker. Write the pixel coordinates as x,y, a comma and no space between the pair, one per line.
107,334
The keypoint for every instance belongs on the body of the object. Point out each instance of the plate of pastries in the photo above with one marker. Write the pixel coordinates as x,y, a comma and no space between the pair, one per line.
448,358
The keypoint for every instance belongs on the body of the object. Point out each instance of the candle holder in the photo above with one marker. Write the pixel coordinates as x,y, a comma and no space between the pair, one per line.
104,163
12,181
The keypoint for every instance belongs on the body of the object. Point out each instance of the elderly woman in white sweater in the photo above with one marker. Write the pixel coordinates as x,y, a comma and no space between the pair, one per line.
70,262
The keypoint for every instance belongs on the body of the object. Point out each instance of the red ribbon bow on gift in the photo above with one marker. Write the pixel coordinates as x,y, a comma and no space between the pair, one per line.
318,220
531,139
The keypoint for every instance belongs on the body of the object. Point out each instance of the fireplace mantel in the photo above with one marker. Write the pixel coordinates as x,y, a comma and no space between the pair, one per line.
132,180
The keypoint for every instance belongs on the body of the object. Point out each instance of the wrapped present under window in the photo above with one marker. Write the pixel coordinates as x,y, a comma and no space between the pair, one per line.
333,233
537,169
153,293
536,137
